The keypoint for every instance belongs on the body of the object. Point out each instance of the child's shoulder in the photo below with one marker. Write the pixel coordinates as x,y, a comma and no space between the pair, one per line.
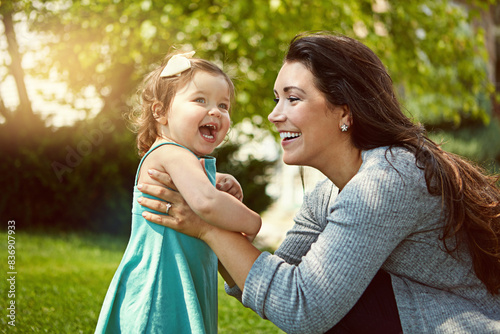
171,148
166,153
166,158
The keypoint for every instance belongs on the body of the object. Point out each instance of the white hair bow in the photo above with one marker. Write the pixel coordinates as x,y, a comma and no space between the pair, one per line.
177,64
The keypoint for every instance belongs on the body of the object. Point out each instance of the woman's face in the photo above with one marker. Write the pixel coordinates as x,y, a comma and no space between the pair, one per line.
309,127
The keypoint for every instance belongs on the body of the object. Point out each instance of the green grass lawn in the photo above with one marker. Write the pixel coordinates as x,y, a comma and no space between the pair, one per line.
61,281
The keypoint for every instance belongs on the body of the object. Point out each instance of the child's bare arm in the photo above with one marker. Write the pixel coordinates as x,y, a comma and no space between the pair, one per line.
218,208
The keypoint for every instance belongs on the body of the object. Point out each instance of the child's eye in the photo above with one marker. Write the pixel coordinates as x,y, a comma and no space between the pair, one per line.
224,106
200,100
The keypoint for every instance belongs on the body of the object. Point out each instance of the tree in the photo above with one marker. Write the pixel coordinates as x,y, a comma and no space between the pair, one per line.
25,111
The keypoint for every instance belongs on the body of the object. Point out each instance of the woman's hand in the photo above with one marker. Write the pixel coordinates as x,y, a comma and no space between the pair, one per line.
180,216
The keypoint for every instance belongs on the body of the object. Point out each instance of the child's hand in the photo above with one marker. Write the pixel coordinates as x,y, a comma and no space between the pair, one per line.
229,184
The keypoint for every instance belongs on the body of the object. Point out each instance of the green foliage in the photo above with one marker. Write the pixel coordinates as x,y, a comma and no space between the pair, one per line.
440,64
253,175
478,143
434,55
68,178
62,279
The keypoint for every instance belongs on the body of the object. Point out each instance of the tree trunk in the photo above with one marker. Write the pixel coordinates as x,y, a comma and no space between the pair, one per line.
495,15
25,110
4,111
490,22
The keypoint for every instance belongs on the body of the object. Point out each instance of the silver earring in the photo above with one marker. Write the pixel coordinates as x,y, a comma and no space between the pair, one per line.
344,127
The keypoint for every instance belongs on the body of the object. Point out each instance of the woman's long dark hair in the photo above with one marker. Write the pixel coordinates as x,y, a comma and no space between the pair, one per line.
349,73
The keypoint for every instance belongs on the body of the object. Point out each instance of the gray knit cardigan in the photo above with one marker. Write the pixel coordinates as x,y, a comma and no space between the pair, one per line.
383,218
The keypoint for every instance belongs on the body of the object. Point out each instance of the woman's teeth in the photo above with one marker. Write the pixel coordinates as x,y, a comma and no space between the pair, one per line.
289,135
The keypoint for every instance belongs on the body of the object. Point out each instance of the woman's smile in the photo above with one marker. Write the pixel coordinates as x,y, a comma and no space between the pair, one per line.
289,137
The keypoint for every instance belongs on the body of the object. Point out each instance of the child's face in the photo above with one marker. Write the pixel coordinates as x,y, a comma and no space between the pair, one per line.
199,115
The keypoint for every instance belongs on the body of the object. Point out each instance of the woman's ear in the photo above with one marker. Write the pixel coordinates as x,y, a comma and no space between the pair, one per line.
345,117
159,112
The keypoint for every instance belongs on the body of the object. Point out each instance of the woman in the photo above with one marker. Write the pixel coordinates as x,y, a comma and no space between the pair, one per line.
410,244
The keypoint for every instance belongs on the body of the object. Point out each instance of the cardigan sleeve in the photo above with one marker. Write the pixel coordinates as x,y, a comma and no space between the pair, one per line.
372,214
310,221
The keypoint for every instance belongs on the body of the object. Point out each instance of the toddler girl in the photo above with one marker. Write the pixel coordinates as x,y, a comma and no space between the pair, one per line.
167,281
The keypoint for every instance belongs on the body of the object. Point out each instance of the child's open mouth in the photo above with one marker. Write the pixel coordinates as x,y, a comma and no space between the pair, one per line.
208,131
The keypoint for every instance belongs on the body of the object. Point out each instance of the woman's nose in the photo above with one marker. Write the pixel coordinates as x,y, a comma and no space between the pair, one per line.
276,115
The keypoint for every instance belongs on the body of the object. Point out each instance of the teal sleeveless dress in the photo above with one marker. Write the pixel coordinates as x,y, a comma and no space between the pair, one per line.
166,281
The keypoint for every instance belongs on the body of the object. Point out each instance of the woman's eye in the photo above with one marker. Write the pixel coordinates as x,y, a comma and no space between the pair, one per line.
293,99
276,100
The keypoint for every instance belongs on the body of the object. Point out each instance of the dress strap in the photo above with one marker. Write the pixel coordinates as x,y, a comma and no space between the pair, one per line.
151,150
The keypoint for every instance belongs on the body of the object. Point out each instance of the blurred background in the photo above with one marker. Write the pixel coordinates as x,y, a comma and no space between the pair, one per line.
70,71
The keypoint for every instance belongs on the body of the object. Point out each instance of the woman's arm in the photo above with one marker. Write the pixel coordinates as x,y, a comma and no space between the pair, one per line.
310,221
229,184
